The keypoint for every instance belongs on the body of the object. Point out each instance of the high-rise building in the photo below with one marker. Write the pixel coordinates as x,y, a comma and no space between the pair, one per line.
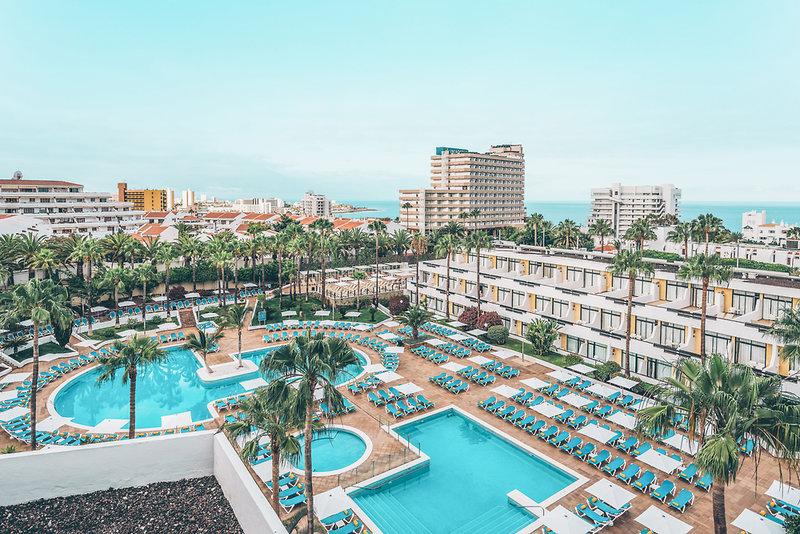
622,205
187,199
65,208
315,205
489,187
170,199
143,199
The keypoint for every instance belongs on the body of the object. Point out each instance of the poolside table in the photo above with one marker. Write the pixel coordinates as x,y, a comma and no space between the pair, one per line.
662,462
600,390
784,492
575,400
597,433
682,443
623,419
563,521
661,522
546,409
754,523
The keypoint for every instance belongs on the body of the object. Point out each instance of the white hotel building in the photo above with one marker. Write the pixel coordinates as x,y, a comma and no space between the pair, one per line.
65,208
622,205
578,291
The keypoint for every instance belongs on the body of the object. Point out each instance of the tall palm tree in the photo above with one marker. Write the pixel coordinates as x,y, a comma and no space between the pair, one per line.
536,223
308,363
631,264
115,276
9,246
724,403
708,226
116,245
681,233
420,244
44,260
446,246
203,343
787,329
706,269
567,234
358,276
601,228
191,247
639,232
42,302
236,317
407,206
478,241
28,247
144,275
323,228
455,228
401,242
130,357
473,214
66,250
149,249
280,243
237,251
415,317
221,259
262,418
91,252
166,255
378,227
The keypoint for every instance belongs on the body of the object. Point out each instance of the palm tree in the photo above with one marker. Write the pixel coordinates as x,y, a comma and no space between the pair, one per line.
220,259
473,214
542,333
787,329
378,228
536,223
279,243
42,302
477,241
165,255
358,276
115,276
261,418
446,246
724,403
191,247
454,228
793,232
90,252
203,343
143,274
28,247
639,232
602,228
306,364
323,227
407,206
631,264
420,244
44,260
708,226
237,251
9,244
567,234
130,357
236,317
707,269
681,233
117,246
401,242
415,317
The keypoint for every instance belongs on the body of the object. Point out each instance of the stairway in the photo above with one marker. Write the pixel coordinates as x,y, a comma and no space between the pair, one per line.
187,318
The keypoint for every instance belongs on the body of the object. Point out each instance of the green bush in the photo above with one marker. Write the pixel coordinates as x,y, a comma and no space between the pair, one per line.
572,359
606,371
497,334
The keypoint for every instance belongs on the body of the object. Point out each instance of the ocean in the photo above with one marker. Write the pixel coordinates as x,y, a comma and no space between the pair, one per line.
729,212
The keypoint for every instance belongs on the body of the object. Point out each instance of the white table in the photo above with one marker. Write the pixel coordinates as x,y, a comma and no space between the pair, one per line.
623,419
662,462
563,521
597,433
547,409
575,400
661,522
754,523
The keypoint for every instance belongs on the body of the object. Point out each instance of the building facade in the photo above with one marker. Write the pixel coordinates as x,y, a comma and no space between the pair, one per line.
491,184
314,205
187,199
143,199
622,205
756,228
578,291
65,208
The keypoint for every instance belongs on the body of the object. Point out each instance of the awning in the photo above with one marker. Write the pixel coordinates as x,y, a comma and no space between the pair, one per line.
534,383
456,324
388,376
458,337
388,336
374,368
322,313
435,342
661,522
575,400
289,313
353,314
477,332
548,410
623,382
95,309
623,419
581,368
754,523
784,492
662,462
560,376
598,433
161,298
600,390
126,303
610,493
291,322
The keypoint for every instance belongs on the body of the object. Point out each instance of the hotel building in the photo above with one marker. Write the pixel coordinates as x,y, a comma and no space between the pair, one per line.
462,181
143,199
579,292
66,208
621,205
315,205
756,228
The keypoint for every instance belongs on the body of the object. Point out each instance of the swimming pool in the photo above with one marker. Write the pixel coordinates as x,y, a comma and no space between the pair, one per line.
349,373
169,388
335,449
464,487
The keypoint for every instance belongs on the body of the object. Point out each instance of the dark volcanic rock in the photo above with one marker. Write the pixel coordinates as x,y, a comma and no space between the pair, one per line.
195,505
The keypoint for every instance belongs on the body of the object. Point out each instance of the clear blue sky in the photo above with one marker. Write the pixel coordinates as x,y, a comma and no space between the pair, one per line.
350,98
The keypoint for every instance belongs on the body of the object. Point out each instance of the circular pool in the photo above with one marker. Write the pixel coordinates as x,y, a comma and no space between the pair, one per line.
335,450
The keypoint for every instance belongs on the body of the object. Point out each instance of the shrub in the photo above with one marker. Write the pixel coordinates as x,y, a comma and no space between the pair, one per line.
497,334
488,319
542,333
176,292
398,304
105,334
469,317
372,311
62,335
606,371
9,449
572,359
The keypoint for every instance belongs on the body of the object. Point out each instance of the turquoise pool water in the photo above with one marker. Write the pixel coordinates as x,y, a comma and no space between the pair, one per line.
350,371
464,488
333,450
165,389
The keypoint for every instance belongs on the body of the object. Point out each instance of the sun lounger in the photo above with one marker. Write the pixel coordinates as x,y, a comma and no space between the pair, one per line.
584,451
525,422
666,489
559,439
705,482
571,445
424,401
549,433
606,508
644,447
614,465
288,504
394,412
689,473
647,479
577,422
627,475
628,444
598,459
536,427
748,447
684,499
593,517
487,402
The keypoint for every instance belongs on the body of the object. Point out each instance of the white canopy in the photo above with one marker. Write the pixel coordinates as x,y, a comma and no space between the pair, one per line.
126,303
453,366
192,295
575,400
534,383
26,322
408,388
435,342
250,284
394,350
682,443
610,493
53,422
388,336
561,376
784,492
480,360
391,324
176,420
662,462
600,390
547,409
289,313
504,353
623,419
291,322
456,324
353,314
95,309
623,382
361,327
108,426
458,337
322,313
661,522
581,368
374,368
505,391
597,433
161,298
477,332
388,376
327,322
15,377
13,413
253,383
563,521
754,523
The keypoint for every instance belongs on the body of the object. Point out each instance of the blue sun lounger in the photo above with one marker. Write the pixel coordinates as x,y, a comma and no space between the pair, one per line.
705,482
684,499
614,465
606,508
570,446
647,479
549,433
584,451
627,475
689,473
666,489
598,459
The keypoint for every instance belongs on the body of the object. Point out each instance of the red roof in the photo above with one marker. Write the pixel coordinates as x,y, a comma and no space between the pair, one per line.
606,248
348,224
155,214
37,182
190,218
222,215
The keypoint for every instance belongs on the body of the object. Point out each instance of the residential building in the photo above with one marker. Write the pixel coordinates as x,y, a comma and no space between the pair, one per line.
143,199
170,199
315,205
259,205
579,292
65,208
622,205
187,199
756,228
491,184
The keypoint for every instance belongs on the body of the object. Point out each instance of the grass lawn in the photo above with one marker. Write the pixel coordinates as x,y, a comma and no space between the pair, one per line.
104,334
211,310
154,322
305,312
44,348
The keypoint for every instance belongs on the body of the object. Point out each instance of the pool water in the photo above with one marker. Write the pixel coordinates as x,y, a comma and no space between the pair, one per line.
168,388
464,487
332,450
350,372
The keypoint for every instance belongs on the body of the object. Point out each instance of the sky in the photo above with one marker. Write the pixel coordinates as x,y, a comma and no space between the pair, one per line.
350,99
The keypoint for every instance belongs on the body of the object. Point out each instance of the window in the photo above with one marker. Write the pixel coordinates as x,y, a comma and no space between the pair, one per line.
773,306
513,265
750,351
672,334
533,266
592,278
574,344
501,264
469,287
645,327
560,308
676,290
517,299
610,320
596,351
640,285
541,304
649,366
502,294
744,301
697,297
588,314
548,269
717,343
574,274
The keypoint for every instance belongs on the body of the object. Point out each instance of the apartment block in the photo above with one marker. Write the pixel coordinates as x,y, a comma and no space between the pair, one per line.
463,181
143,199
756,228
578,291
315,205
622,205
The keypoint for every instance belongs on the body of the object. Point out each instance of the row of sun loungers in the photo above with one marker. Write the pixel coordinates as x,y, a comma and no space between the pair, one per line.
506,371
338,325
481,378
26,335
408,405
229,403
450,383
172,337
330,412
443,331
430,355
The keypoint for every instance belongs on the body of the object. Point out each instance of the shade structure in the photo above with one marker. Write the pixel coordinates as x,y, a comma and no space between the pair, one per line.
600,390
291,322
162,298
388,336
504,353
784,492
391,324
408,388
13,413
456,324
434,342
480,360
327,322
176,420
15,377
662,462
682,443
374,368
458,337
477,332
107,426
563,521
289,313
127,303
547,409
388,376
361,327
394,350
250,284
575,400
505,391
610,493
190,296
754,523
561,376
581,368
96,309
661,522
52,423
253,383
534,383
26,322
623,382
353,314
453,366
597,433
623,419
322,313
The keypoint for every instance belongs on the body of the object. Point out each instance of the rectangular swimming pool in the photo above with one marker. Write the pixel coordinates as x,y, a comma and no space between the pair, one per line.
464,488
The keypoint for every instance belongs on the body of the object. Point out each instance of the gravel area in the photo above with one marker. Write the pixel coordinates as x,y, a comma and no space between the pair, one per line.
193,505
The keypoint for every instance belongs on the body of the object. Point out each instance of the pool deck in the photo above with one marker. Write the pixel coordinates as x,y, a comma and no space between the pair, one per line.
368,418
